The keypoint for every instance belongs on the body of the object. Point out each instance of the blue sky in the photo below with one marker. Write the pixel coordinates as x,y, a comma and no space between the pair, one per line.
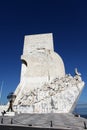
66,19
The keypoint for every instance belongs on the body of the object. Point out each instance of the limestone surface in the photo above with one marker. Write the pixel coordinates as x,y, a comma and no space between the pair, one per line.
44,87
58,96
40,63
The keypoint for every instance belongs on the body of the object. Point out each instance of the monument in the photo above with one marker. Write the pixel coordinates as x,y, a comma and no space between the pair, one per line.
44,86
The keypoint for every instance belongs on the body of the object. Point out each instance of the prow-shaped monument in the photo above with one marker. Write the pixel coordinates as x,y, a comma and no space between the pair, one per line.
44,87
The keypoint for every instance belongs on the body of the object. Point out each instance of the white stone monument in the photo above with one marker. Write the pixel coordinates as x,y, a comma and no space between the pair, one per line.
44,87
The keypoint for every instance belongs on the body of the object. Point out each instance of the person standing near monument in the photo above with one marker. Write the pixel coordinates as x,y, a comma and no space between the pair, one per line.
11,97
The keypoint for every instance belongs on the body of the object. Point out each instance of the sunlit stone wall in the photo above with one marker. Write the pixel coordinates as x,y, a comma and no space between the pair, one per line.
44,87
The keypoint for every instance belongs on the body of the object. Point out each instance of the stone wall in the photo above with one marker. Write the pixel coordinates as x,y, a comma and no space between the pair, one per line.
58,96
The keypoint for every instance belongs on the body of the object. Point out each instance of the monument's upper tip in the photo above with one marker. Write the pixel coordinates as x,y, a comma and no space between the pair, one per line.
32,42
42,34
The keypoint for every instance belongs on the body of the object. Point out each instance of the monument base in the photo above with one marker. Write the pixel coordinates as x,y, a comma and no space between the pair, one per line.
9,114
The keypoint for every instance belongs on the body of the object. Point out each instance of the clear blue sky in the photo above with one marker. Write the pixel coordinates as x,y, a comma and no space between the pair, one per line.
66,19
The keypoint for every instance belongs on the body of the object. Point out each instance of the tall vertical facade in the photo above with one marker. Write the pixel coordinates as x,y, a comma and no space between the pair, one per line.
44,86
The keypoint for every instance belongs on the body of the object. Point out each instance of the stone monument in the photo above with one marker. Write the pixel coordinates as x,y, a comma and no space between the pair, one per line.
44,87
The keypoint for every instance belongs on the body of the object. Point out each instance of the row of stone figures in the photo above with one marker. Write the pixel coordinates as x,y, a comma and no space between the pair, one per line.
51,96
58,95
50,89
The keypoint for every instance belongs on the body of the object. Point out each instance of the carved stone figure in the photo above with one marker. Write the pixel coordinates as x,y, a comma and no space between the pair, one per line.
76,72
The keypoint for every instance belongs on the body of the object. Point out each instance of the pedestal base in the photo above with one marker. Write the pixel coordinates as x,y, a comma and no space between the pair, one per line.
9,114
